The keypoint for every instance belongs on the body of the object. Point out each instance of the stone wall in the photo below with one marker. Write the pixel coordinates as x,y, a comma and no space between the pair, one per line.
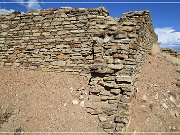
52,39
171,52
86,41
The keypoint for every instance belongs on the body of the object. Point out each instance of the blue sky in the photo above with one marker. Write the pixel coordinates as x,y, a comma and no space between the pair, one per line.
165,16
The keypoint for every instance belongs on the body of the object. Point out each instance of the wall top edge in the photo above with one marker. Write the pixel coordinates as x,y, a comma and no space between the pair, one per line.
69,10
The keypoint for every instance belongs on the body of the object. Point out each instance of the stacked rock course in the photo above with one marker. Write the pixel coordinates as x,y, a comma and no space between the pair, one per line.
86,41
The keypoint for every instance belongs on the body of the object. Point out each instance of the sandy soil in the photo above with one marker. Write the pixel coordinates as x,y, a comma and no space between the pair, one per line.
42,102
156,106
35,101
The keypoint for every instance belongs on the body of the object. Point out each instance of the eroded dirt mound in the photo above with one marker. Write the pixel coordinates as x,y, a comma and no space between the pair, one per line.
34,101
156,107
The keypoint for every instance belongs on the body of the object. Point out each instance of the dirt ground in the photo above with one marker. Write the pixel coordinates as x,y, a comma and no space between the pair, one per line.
34,101
156,106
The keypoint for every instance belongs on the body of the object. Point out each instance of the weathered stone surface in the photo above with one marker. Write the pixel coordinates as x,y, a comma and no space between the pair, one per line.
125,99
102,118
104,70
94,98
104,98
128,28
75,102
36,34
115,91
107,125
124,78
120,36
46,33
109,78
120,119
105,93
58,63
113,28
120,56
96,90
4,26
116,66
129,23
110,84
112,101
110,109
102,26
4,33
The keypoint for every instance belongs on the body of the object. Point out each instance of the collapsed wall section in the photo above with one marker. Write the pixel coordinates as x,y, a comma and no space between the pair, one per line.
119,52
88,41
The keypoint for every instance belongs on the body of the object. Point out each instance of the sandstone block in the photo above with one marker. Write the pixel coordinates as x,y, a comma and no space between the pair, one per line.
120,36
111,22
96,89
102,118
36,34
46,33
4,26
127,28
107,125
62,56
112,97
124,78
115,66
55,23
104,98
112,101
115,91
119,119
129,23
109,78
105,93
38,46
111,85
102,26
4,33
113,28
37,18
120,56
58,63
125,99
104,70
50,40
94,98
110,60
77,31
131,35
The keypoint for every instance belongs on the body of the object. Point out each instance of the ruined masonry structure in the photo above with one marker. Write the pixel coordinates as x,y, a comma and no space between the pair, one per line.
86,41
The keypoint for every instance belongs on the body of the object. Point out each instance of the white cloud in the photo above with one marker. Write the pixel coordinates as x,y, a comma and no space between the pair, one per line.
5,11
168,37
33,5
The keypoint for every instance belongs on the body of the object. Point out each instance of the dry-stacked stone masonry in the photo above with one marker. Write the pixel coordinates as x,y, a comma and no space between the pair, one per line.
87,41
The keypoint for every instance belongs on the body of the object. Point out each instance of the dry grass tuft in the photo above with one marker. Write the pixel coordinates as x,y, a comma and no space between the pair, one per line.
156,49
174,60
5,114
